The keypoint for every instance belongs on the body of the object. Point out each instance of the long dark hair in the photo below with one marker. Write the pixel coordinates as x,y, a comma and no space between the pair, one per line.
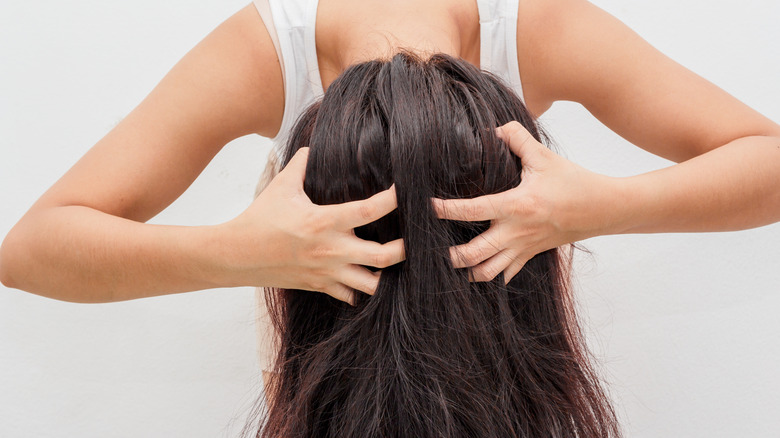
430,354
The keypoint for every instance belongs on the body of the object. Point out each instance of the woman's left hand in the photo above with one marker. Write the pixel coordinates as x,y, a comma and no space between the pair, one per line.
557,202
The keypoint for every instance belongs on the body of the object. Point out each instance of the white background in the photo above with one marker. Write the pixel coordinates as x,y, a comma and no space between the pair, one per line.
684,325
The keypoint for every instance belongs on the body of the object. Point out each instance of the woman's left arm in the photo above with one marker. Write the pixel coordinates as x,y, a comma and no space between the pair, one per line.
728,176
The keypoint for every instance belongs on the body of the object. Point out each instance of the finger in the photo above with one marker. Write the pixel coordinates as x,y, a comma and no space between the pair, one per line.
482,208
520,141
513,269
490,268
361,279
357,213
296,167
341,293
378,255
477,250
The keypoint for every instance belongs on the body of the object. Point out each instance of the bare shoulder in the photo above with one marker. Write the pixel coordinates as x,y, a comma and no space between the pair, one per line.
575,33
572,50
533,20
228,85
547,36
257,68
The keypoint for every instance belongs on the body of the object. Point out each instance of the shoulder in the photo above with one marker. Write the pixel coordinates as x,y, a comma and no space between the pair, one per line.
245,44
574,51
555,38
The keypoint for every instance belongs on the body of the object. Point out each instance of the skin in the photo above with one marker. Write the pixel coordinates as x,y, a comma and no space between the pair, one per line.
85,239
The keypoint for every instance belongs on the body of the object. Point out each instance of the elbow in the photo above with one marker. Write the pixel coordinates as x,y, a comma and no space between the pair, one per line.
23,266
6,279
7,262
18,270
16,258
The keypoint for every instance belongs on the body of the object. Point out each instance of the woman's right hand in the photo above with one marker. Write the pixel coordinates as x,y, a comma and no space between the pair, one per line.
284,240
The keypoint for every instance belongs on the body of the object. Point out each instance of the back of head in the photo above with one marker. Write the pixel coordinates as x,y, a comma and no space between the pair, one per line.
430,354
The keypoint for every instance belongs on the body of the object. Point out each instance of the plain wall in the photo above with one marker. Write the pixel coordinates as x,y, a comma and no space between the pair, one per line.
684,325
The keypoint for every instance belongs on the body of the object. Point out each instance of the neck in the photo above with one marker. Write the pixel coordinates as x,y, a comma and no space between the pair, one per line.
454,31
385,46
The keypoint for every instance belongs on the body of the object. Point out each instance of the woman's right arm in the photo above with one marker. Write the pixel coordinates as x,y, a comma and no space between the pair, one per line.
85,239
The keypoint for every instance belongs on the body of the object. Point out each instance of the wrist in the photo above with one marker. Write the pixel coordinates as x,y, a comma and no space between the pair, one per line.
630,205
236,256
608,206
214,251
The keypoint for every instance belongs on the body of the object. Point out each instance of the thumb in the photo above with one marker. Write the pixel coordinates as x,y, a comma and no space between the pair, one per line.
520,141
295,170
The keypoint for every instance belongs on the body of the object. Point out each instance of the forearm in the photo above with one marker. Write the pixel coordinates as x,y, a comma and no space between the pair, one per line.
79,254
733,187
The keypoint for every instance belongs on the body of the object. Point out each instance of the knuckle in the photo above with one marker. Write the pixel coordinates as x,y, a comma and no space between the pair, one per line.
366,211
368,288
331,292
516,206
479,275
346,295
529,205
484,273
473,210
322,282
473,255
490,272
380,260
517,132
519,267
458,256
317,285
514,124
322,252
509,256
539,207
511,128
318,222
326,221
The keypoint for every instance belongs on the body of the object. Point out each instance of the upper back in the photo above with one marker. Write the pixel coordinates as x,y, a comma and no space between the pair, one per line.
319,39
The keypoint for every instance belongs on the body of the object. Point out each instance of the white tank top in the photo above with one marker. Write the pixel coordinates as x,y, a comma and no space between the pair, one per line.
291,26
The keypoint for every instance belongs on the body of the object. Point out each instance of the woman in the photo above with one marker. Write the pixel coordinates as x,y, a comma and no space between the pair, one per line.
565,50
430,353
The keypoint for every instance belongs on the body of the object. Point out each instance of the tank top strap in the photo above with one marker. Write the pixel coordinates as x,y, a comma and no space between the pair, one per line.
294,23
498,40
